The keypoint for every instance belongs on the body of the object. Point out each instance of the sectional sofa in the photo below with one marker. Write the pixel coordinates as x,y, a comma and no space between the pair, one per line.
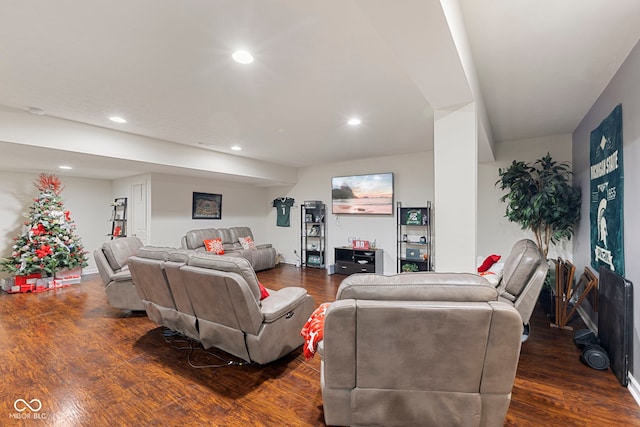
262,257
111,259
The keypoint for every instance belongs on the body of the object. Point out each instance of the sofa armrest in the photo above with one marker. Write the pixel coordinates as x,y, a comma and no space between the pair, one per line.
103,266
280,302
320,348
338,348
121,276
264,246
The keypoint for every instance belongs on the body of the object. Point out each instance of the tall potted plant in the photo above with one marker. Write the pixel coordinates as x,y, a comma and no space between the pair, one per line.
540,198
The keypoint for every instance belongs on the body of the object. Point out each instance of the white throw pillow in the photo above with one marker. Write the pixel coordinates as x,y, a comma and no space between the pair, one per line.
247,243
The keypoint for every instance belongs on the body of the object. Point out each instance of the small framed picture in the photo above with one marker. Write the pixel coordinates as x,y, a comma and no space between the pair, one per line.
414,217
413,254
206,206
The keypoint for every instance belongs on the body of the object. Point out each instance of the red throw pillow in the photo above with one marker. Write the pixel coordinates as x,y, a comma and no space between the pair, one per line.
215,246
488,262
263,291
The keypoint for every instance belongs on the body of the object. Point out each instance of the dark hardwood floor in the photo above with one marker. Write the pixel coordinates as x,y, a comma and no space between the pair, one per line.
88,365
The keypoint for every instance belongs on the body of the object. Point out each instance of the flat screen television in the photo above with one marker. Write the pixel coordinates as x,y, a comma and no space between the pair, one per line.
362,194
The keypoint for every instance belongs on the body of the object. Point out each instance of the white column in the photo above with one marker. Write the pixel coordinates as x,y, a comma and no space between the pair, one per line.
455,181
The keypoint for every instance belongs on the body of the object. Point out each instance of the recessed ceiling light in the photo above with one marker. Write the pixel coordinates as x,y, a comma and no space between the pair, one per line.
354,121
236,148
242,56
117,119
65,167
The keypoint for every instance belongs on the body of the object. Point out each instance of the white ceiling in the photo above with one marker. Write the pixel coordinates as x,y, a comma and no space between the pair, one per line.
166,66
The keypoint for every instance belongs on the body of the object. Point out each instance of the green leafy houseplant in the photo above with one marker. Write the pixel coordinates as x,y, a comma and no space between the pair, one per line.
540,198
409,268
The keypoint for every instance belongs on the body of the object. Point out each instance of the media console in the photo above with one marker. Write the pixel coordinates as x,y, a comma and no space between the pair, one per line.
349,260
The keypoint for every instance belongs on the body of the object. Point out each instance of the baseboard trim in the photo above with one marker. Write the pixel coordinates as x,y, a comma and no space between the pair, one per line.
634,389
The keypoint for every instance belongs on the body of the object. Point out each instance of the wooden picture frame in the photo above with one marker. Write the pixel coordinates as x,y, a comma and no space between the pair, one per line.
206,206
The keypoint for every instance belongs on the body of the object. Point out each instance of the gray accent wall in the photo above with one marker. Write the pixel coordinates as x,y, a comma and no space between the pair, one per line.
623,89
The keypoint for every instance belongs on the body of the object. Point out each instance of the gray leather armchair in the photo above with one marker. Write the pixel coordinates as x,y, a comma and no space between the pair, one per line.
111,259
523,276
431,349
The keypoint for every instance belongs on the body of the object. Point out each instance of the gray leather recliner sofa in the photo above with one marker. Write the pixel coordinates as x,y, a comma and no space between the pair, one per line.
261,258
216,299
429,349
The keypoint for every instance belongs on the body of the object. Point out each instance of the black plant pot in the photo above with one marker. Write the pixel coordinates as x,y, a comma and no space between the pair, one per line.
548,302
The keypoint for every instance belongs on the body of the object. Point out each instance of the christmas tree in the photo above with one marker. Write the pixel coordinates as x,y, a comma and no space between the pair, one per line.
47,243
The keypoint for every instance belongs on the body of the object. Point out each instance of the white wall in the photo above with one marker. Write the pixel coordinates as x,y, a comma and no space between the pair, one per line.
413,184
496,234
171,201
86,199
623,89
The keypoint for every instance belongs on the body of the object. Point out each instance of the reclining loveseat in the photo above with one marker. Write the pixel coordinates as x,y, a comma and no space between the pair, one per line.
216,299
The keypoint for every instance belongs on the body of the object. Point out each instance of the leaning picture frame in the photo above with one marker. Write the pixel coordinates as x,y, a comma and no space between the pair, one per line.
206,206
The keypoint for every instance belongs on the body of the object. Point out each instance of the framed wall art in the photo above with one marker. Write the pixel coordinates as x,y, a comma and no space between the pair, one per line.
206,206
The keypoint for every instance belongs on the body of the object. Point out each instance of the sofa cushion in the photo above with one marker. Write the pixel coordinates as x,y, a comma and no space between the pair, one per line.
231,264
242,231
118,251
180,255
155,252
214,245
229,239
226,235
195,238
123,275
463,287
523,260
